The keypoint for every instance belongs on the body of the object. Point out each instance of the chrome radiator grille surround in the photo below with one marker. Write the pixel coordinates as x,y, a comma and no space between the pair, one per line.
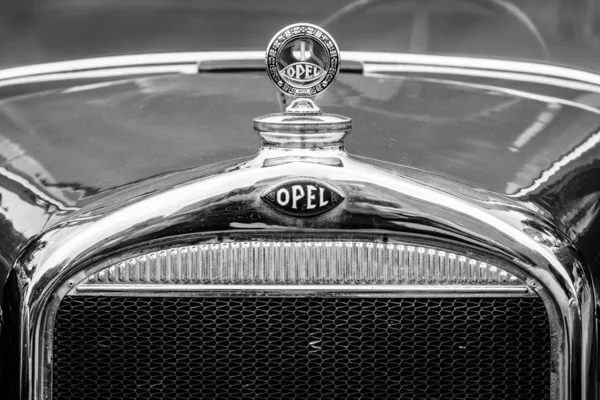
272,348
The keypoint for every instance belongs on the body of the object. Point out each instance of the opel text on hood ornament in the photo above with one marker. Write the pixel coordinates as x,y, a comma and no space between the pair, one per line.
302,60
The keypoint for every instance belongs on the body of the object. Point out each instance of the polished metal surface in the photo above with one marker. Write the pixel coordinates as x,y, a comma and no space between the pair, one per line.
518,185
309,132
300,263
395,291
309,122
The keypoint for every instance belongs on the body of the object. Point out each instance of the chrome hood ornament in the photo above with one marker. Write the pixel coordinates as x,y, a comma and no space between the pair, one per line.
302,60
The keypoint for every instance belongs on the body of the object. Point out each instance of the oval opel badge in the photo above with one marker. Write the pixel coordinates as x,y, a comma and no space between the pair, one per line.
302,197
302,60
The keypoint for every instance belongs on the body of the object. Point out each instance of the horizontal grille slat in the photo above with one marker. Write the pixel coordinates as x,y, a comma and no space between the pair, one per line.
301,348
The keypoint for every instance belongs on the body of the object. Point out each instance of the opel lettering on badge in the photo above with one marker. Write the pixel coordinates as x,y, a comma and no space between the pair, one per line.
303,197
303,72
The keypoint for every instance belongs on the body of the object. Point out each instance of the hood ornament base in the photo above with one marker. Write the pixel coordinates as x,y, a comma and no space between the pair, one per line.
303,125
302,60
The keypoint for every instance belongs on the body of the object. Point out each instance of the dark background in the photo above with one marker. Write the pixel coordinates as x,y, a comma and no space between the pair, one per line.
35,31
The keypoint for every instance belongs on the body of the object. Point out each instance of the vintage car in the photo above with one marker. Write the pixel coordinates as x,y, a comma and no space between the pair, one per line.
153,246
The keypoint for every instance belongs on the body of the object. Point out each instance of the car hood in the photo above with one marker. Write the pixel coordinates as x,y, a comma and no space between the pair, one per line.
64,149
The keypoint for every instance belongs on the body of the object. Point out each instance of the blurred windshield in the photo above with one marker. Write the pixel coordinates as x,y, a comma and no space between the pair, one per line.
556,31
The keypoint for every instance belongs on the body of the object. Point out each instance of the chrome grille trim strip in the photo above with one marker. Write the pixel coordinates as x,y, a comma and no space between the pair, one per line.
301,263
183,290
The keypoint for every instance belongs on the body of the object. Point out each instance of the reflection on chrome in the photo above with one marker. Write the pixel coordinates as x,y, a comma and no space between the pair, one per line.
542,121
33,189
565,160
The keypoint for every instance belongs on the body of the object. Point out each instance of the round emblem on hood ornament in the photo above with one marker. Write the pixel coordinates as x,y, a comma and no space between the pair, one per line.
302,60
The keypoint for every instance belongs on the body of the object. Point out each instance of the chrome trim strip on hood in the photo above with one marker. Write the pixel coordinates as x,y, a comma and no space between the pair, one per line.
373,62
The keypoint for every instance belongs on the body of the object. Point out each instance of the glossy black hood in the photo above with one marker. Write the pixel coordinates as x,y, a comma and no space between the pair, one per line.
63,149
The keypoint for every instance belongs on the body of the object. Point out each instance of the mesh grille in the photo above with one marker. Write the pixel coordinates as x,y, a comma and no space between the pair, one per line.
301,348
